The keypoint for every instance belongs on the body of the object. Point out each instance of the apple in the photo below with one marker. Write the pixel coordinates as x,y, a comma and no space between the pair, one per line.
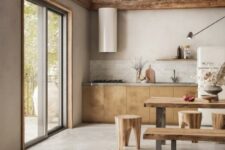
189,98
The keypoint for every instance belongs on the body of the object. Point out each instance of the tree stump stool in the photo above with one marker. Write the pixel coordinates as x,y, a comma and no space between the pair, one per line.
190,119
124,125
218,120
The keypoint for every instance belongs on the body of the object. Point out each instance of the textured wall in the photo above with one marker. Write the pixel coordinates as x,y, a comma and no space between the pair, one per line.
153,34
157,33
80,58
121,69
10,75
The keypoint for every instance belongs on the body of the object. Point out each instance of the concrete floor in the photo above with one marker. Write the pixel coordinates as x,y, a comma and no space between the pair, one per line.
103,137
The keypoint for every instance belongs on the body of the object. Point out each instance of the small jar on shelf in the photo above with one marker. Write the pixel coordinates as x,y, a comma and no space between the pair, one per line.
187,52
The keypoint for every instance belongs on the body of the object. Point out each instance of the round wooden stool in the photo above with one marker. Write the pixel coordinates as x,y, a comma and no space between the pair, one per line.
218,120
124,125
190,119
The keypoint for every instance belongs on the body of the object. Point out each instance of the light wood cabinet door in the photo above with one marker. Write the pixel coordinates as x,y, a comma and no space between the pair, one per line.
114,102
136,96
102,103
161,92
180,92
93,104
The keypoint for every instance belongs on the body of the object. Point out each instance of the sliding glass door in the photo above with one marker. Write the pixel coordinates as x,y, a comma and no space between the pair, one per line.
44,70
55,71
33,76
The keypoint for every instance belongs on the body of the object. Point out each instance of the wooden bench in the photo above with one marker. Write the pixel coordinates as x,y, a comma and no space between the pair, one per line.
174,134
218,120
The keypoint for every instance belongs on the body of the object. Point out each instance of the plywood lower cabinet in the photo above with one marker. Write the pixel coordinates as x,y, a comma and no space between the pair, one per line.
136,95
114,102
102,103
93,104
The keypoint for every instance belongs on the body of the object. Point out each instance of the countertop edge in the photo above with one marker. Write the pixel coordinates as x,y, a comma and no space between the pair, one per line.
140,84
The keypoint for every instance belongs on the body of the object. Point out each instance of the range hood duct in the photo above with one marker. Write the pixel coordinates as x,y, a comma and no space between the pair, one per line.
107,29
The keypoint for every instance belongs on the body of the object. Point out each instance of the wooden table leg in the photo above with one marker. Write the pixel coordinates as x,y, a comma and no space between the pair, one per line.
173,145
161,119
158,145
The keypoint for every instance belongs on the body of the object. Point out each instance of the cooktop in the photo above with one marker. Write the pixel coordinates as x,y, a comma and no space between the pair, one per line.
107,81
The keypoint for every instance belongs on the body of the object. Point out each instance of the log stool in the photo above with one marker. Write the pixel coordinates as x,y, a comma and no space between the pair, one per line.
124,125
218,120
190,119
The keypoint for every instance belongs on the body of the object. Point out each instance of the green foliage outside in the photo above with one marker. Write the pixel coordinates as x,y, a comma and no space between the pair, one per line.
33,48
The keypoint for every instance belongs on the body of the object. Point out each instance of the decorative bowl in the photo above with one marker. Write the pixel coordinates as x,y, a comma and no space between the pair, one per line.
213,89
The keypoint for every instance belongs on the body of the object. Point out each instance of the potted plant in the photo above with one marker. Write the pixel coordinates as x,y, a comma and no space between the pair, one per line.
138,65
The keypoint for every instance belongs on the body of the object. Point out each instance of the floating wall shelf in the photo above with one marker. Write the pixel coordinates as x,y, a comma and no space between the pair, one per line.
174,59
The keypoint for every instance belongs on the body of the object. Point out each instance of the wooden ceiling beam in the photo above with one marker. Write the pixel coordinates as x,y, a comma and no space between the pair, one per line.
156,4
84,3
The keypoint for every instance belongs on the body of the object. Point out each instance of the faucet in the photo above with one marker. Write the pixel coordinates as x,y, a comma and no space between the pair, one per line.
174,78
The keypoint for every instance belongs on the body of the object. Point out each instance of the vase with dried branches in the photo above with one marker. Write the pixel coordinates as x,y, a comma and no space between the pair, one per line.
214,80
138,64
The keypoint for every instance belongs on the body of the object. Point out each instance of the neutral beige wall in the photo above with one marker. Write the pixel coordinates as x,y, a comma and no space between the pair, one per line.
10,74
157,33
80,54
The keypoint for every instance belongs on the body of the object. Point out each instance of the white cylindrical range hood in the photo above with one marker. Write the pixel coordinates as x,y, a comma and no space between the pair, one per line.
107,29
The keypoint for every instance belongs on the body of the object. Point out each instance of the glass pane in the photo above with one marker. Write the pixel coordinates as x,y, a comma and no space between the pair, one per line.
54,70
34,121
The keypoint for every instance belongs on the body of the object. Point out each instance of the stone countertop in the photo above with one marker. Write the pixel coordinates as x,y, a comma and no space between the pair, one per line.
140,84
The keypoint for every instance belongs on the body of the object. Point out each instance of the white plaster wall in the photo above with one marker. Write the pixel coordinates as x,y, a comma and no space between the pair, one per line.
10,75
121,69
157,33
153,34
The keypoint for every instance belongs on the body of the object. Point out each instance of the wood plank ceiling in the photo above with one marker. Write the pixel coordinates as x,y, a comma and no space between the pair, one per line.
84,3
151,4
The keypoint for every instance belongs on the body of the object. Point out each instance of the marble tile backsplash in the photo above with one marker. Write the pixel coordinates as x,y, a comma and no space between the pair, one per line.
121,69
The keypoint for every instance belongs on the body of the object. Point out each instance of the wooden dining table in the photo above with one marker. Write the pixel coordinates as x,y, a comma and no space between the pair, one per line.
161,103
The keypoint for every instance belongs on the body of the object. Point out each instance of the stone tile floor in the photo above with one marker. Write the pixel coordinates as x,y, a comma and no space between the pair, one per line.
103,137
